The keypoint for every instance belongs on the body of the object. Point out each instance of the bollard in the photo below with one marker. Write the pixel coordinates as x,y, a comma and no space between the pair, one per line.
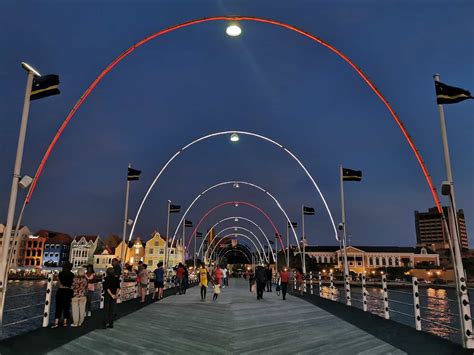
102,294
305,281
320,285
294,281
347,284
311,282
47,301
331,286
364,293
416,303
385,297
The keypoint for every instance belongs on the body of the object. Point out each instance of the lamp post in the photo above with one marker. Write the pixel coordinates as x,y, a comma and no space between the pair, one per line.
14,189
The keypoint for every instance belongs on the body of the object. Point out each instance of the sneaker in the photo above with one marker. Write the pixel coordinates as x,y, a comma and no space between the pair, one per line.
73,325
89,314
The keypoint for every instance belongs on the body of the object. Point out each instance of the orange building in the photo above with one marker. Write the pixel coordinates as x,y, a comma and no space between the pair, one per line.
34,251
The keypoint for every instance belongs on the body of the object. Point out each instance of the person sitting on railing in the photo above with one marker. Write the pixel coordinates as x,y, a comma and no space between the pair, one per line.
64,295
111,286
90,276
79,287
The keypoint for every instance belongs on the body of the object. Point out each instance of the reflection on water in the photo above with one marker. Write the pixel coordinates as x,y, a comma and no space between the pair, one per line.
439,310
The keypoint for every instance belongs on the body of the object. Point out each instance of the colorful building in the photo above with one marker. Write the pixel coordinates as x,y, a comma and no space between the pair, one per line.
103,259
17,246
137,252
57,247
155,251
34,251
83,248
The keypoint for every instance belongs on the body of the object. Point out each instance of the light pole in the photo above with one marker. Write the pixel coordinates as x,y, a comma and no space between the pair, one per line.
14,189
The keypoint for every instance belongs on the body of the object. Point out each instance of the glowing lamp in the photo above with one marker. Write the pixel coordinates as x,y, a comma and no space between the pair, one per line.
233,30
234,137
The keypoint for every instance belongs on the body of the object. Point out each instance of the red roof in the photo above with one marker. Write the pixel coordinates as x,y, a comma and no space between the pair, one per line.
54,237
89,238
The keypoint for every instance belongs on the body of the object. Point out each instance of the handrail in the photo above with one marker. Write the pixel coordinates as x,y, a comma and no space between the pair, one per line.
22,320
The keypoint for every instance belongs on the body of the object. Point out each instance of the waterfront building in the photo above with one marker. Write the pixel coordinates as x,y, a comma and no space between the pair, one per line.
17,246
155,251
34,251
368,258
125,248
56,248
137,252
430,232
103,259
83,248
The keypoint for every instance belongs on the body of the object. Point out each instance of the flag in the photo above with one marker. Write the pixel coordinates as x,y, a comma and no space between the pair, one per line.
175,208
188,223
133,174
272,242
44,86
351,175
294,224
198,235
446,94
309,211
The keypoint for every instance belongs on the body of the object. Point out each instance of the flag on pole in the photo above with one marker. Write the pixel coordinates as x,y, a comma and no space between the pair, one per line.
175,208
309,211
44,86
294,224
446,94
351,175
198,235
272,242
133,174
188,224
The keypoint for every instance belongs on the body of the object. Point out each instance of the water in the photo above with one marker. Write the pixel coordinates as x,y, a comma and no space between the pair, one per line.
437,305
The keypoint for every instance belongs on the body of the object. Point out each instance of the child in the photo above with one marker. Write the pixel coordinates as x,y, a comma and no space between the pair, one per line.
110,286
217,291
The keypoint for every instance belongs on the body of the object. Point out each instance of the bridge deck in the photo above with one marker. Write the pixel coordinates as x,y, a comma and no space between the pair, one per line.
236,323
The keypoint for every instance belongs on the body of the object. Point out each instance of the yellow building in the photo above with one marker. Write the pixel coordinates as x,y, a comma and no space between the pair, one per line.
126,252
155,251
136,252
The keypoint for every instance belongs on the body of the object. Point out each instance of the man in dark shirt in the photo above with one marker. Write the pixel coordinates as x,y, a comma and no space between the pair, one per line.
260,278
64,295
110,286
269,278
117,268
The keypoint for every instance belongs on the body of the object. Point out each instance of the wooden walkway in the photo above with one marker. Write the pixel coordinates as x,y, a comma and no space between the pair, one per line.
235,324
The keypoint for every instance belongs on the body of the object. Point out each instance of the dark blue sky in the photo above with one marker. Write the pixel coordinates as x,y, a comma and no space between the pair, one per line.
269,81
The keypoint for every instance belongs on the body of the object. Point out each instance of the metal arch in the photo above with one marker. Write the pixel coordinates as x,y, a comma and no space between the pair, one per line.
245,133
247,230
228,219
235,182
297,30
237,235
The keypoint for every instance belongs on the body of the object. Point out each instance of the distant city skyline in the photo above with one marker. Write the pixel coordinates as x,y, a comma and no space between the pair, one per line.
269,81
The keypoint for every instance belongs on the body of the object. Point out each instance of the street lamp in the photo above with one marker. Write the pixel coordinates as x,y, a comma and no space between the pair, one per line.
234,137
233,30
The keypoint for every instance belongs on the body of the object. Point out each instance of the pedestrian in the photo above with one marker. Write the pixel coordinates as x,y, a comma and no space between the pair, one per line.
144,280
284,279
218,275
180,278
217,291
261,279
251,280
111,287
117,267
64,295
300,280
203,277
269,275
79,299
159,281
90,276
225,275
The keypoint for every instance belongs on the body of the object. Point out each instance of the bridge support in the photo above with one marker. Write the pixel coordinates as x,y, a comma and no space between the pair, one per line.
348,289
320,284
364,292
331,286
385,297
47,301
416,303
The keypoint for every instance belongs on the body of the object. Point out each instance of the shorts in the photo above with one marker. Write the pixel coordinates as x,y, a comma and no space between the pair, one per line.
159,284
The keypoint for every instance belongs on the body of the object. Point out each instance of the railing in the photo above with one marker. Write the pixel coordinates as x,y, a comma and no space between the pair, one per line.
402,302
45,299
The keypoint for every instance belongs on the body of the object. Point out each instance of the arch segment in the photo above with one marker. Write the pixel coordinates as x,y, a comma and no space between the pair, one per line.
295,29
236,235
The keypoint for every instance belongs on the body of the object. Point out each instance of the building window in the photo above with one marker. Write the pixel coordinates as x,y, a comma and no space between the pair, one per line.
150,251
46,246
137,250
37,262
57,246
56,255
29,244
35,244
390,262
384,261
157,244
172,251
46,255
371,261
162,251
97,261
377,263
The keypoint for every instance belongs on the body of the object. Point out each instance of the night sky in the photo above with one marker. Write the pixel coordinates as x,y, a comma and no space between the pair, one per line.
270,81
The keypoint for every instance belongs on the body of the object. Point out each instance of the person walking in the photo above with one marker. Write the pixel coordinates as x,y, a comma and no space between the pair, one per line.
300,280
144,280
79,299
217,291
64,295
203,279
284,279
90,276
218,275
159,281
251,280
180,278
261,279
185,279
111,287
269,275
